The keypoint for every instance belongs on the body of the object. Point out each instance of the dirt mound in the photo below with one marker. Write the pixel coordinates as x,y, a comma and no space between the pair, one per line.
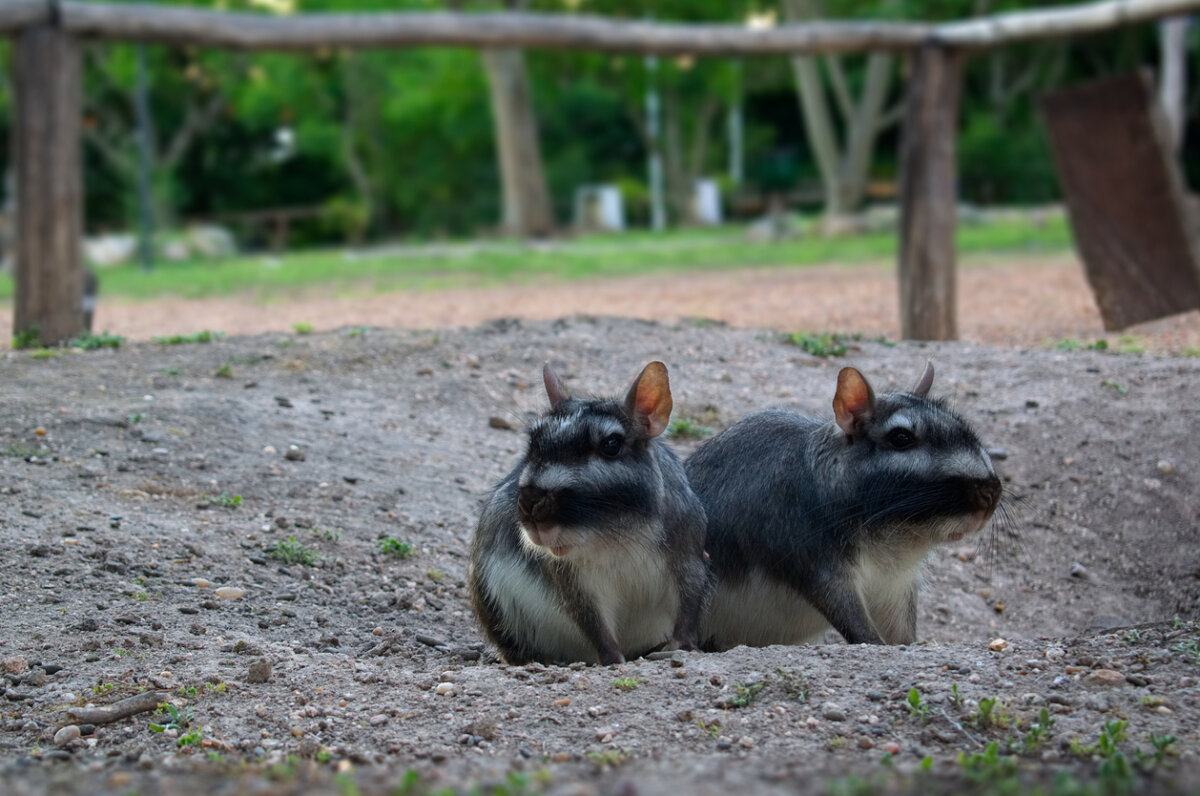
211,521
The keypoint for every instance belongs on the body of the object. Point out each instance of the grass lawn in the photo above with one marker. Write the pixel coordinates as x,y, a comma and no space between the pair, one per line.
428,267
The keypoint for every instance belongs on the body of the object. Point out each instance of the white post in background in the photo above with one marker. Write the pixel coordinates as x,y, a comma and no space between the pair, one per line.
1172,79
658,213
737,165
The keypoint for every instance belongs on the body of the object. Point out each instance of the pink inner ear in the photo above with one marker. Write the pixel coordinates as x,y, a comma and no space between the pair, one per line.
652,402
854,401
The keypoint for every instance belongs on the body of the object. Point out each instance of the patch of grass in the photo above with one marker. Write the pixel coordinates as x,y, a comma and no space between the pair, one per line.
1038,732
990,714
327,534
30,337
440,266
204,336
822,344
685,428
955,698
18,450
916,708
607,758
793,684
988,767
1114,385
712,728
1071,344
224,372
745,693
628,683
357,331
290,551
1189,647
193,738
176,719
391,546
224,499
45,353
302,327
90,342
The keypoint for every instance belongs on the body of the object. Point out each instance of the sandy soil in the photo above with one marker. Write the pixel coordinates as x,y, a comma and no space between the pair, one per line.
139,481
1030,301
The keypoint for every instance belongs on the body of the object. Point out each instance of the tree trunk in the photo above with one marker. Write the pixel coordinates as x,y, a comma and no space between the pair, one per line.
527,210
1173,75
928,196
47,133
844,166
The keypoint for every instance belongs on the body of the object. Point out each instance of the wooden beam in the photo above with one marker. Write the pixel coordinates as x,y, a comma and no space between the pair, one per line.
204,27
47,154
929,196
18,14
1129,208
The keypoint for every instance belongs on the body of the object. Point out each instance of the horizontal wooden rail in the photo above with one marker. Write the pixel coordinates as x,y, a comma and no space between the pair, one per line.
202,27
18,14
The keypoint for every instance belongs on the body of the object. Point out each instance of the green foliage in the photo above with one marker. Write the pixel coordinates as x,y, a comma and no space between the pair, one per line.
290,551
90,342
988,766
302,327
685,428
745,693
793,684
1038,731
823,344
176,719
990,714
1189,647
628,683
916,708
224,499
181,339
390,546
30,337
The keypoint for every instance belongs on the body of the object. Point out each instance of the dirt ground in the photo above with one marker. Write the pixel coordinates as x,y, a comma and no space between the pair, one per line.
1034,300
210,522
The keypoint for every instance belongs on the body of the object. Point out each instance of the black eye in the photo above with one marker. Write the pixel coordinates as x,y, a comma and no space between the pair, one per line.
901,439
611,445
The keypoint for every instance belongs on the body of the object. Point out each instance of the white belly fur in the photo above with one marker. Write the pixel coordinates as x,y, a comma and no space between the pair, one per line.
631,589
761,611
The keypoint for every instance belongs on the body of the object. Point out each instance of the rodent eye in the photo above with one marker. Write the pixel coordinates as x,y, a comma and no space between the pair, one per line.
611,445
901,439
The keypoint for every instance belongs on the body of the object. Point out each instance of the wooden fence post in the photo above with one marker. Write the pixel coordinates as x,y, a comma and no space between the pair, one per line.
929,195
49,184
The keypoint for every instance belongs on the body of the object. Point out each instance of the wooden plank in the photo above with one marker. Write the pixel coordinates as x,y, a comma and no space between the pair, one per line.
181,25
929,196
47,154
18,14
1125,199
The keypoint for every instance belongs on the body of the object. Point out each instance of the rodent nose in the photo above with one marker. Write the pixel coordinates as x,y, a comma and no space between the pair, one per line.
534,503
987,494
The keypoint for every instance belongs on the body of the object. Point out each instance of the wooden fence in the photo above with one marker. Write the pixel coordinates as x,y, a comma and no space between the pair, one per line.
48,106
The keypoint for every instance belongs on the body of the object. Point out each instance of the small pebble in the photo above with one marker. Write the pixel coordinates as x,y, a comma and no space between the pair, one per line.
500,423
831,712
15,665
997,645
229,592
562,703
294,454
259,671
746,742
201,583
1104,677
377,720
66,735
445,689
1165,467
865,742
892,748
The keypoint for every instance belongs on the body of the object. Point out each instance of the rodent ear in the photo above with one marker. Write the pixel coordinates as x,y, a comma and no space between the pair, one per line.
854,402
921,388
649,399
555,390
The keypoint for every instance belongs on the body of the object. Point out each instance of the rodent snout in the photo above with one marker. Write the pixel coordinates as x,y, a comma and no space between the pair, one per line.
986,495
535,505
